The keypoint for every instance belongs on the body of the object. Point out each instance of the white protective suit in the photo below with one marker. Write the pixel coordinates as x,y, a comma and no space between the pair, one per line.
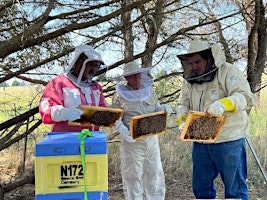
228,82
68,91
141,166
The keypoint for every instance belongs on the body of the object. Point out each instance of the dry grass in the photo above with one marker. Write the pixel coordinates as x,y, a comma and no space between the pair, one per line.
176,158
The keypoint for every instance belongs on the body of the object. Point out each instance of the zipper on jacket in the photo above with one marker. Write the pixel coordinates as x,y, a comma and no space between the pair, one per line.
200,102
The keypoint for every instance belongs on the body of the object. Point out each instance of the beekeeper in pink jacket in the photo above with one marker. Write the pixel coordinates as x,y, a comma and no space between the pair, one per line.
63,94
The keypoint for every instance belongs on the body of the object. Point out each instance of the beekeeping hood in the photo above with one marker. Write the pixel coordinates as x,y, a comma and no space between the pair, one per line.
128,93
197,46
91,54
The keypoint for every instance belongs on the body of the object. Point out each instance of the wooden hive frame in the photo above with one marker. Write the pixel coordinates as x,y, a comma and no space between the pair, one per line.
88,114
135,120
191,117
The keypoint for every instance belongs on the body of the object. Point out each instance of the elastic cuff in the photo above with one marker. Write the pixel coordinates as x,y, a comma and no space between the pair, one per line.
229,104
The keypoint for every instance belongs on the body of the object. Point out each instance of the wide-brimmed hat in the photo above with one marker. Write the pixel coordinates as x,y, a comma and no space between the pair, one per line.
133,68
194,47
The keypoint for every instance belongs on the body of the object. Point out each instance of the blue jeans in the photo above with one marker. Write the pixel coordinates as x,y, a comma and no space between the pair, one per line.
227,159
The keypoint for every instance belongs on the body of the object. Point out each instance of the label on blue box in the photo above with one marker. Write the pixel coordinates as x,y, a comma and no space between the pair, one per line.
68,143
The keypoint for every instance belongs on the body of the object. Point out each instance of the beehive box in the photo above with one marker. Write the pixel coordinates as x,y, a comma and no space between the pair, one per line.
147,125
73,196
201,127
58,167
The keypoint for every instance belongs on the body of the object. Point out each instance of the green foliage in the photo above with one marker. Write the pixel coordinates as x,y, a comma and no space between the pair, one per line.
3,84
15,83
167,88
258,115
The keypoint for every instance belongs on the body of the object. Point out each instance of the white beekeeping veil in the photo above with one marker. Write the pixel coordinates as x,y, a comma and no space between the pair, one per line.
91,54
146,83
197,46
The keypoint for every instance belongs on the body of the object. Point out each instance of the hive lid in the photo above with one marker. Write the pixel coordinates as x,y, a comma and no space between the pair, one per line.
151,125
97,116
68,143
206,129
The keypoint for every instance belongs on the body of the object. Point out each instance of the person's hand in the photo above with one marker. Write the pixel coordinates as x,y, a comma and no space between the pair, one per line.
216,109
220,106
164,107
181,126
181,121
123,130
59,113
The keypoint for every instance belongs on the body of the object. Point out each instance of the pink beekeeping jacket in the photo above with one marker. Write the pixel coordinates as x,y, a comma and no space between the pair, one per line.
62,91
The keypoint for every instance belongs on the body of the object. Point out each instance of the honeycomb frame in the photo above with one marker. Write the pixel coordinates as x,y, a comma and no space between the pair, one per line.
193,115
134,123
89,111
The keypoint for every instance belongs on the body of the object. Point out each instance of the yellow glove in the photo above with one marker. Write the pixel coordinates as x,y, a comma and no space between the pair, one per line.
220,106
181,119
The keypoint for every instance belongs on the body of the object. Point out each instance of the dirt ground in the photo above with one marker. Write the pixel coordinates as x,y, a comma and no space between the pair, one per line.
176,190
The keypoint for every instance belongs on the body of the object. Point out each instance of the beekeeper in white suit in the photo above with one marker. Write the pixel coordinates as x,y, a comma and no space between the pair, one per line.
63,94
141,166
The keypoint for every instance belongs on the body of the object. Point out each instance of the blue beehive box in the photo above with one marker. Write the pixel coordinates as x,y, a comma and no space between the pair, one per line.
58,167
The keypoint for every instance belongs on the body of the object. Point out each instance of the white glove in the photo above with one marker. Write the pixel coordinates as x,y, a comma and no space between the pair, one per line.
60,113
123,130
216,109
164,107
